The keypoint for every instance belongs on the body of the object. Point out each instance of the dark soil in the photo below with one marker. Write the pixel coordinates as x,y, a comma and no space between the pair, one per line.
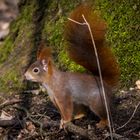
36,109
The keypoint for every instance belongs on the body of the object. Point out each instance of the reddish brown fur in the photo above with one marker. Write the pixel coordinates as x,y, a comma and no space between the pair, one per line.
43,52
71,91
80,47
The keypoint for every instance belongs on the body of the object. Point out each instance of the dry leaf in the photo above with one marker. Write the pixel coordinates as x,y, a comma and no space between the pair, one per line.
30,127
5,116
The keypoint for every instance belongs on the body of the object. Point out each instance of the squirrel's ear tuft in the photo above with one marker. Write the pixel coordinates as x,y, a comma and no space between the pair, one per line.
45,64
43,52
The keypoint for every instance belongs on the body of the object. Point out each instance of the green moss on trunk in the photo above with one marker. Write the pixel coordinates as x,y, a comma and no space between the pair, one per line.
124,28
15,51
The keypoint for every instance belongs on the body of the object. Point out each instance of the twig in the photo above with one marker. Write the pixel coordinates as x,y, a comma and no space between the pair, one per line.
130,117
33,136
9,123
77,22
9,102
29,116
69,126
80,131
116,136
36,92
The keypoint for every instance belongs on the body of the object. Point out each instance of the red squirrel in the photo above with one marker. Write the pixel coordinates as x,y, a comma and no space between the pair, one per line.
70,91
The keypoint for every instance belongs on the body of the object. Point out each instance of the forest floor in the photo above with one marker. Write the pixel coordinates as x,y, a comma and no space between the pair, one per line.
32,116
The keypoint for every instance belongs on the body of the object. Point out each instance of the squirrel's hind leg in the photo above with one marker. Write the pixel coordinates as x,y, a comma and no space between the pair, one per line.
65,107
79,111
99,109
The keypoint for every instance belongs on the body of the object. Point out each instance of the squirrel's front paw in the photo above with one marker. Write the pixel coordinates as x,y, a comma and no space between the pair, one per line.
62,124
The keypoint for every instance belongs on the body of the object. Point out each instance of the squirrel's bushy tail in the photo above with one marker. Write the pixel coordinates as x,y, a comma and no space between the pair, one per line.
80,46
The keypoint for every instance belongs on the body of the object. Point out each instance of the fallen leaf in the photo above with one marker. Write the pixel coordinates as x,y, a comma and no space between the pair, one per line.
5,116
30,127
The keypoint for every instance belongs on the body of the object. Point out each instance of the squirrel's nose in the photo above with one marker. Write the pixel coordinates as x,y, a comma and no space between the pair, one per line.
26,76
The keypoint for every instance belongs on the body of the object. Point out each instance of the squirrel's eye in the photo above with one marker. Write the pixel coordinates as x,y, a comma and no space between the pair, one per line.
36,70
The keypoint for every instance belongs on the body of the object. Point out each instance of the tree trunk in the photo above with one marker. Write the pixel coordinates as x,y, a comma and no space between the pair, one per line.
19,48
